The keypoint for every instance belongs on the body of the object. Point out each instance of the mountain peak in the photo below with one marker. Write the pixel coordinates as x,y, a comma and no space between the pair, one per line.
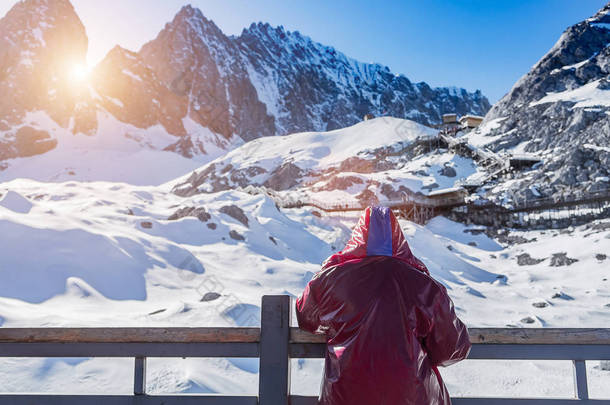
278,34
42,10
193,17
189,12
602,16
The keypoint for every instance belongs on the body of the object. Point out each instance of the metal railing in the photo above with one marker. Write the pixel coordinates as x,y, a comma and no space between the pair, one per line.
275,343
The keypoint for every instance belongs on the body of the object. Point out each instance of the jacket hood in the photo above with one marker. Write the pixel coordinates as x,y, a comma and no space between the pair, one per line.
377,233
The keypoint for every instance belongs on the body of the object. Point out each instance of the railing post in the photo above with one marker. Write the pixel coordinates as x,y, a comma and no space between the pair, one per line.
580,379
139,376
274,369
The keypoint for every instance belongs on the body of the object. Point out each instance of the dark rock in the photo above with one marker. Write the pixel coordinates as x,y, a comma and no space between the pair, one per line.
159,311
341,182
474,231
368,197
272,239
236,236
561,259
601,257
528,319
211,225
541,304
448,171
471,243
30,142
209,296
242,177
562,296
430,186
524,259
199,213
236,213
146,224
316,214
284,177
357,165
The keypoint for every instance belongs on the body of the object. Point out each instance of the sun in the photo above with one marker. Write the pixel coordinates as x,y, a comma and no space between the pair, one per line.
79,73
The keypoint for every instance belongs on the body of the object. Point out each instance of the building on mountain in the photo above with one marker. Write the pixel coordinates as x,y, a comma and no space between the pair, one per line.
471,121
449,119
449,196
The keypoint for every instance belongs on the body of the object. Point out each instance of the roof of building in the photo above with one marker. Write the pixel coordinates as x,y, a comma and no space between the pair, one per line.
446,191
476,117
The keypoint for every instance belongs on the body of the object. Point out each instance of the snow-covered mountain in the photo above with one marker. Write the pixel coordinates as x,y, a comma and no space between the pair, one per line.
560,111
201,92
40,41
270,81
379,159
196,250
60,122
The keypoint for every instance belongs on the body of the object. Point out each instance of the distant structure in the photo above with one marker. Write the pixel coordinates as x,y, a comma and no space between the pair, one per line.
449,119
368,116
449,196
470,121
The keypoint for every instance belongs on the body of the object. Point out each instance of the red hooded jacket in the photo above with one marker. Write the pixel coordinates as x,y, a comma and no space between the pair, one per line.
388,324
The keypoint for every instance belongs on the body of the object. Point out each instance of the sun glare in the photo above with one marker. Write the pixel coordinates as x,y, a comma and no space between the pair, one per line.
79,73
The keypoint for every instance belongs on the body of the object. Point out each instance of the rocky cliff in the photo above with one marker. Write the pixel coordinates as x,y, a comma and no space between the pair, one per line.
560,111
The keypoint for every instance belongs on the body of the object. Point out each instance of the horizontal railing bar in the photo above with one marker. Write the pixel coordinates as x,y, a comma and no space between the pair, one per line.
589,336
539,352
131,335
309,400
127,400
492,351
26,399
528,401
129,350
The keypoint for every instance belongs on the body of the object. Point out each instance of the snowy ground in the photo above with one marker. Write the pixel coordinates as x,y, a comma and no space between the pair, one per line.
340,166
92,254
116,152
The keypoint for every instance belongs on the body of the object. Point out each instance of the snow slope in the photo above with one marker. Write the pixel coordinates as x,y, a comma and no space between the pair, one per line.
385,157
116,152
101,253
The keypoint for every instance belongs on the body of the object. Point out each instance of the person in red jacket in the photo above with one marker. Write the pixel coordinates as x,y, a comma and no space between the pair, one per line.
388,324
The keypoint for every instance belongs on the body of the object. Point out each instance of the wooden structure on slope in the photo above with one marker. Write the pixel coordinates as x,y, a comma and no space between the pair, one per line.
471,121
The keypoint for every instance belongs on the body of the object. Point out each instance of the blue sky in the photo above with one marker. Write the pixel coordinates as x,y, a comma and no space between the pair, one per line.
476,44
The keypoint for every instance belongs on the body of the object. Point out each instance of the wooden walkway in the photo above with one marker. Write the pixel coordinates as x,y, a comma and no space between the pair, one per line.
420,209
275,343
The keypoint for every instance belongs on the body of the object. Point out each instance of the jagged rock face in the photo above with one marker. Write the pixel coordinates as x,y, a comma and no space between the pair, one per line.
40,41
268,81
560,110
131,92
192,78
309,86
195,59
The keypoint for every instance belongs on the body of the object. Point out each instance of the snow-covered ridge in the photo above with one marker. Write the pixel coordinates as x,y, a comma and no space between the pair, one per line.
378,159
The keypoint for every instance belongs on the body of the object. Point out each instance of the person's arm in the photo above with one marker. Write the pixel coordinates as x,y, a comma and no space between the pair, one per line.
447,341
308,309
